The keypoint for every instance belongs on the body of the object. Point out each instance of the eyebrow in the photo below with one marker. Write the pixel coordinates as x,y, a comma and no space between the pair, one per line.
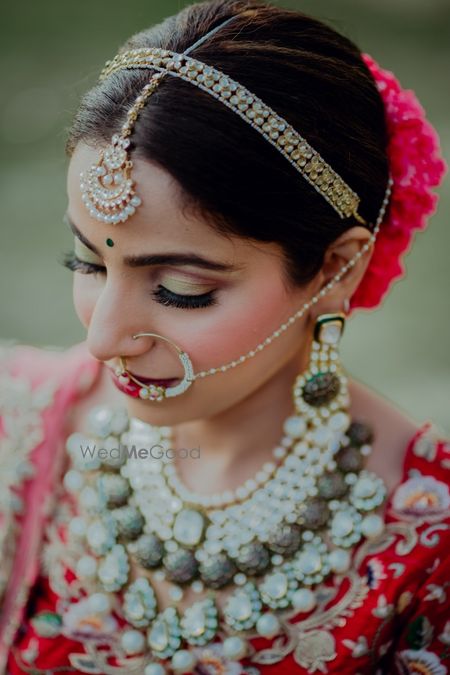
145,260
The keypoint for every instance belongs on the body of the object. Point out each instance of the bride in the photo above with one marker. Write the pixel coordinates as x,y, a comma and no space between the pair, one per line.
198,486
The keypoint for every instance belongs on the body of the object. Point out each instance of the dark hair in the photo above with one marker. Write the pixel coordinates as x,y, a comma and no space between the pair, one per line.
307,72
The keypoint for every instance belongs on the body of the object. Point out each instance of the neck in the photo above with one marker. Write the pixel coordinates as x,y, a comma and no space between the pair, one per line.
237,442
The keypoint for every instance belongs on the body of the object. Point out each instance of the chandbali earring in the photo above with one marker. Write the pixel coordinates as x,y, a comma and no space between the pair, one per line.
320,393
155,392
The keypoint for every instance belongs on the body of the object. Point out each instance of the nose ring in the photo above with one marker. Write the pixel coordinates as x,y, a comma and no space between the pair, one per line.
158,392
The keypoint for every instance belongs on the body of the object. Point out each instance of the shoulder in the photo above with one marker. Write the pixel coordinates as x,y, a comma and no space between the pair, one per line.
394,431
49,363
38,386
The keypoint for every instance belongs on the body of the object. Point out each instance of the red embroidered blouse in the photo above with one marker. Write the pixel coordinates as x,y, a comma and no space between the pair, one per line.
389,614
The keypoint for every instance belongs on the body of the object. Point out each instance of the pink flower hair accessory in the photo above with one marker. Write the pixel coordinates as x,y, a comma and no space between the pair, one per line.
416,166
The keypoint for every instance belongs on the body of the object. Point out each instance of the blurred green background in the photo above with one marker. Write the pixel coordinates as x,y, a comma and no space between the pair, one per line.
52,51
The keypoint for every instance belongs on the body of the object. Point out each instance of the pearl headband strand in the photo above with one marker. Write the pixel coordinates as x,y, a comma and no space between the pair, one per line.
108,189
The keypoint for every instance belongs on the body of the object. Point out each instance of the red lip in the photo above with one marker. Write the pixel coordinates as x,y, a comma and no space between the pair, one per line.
152,380
132,389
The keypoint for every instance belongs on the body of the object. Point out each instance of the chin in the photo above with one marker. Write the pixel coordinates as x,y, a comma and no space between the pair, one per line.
162,413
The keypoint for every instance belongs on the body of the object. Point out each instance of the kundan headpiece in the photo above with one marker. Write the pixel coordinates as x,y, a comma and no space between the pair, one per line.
108,189
415,164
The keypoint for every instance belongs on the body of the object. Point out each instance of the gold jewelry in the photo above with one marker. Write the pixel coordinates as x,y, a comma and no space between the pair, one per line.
103,200
154,392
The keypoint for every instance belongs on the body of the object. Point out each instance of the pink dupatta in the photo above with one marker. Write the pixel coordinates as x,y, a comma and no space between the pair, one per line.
38,387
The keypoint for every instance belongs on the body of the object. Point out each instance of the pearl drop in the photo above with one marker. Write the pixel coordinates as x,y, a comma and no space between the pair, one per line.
304,599
372,526
239,579
268,625
183,661
234,647
86,566
176,593
154,669
339,560
73,480
77,526
133,641
294,426
99,603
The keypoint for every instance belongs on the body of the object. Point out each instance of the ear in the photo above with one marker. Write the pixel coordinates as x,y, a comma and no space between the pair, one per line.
340,252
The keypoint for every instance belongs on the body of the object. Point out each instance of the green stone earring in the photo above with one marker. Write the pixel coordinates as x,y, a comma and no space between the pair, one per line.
324,380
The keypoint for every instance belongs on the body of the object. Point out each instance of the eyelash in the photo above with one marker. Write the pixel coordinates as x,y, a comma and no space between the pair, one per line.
161,295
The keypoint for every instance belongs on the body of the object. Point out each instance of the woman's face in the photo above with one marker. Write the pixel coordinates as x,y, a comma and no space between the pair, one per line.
216,312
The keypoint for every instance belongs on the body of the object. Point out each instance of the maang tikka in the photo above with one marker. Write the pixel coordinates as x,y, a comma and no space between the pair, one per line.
108,189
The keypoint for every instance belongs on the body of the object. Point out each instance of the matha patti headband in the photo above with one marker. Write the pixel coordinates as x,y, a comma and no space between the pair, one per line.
416,165
108,190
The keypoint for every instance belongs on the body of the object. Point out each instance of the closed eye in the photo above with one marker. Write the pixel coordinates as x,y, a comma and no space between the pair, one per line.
73,263
162,295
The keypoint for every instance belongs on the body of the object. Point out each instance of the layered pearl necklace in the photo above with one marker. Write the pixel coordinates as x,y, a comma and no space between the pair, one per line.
272,540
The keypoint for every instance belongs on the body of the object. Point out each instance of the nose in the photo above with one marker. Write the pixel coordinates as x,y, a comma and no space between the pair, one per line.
113,322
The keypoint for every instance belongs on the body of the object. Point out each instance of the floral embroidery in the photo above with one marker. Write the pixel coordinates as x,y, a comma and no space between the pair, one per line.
383,609
211,661
404,601
315,643
422,662
30,653
314,650
426,446
47,624
375,572
436,592
445,635
419,633
22,429
358,648
421,495
81,621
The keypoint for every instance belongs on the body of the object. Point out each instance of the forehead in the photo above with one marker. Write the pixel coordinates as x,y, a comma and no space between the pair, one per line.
162,216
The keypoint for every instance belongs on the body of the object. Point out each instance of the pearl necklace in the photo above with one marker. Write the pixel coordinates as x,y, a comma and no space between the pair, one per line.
274,538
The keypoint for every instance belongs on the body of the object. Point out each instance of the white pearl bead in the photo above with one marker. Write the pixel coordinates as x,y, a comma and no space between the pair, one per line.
86,566
99,603
143,393
372,526
133,641
77,526
339,560
234,647
268,625
154,669
183,661
73,480
304,599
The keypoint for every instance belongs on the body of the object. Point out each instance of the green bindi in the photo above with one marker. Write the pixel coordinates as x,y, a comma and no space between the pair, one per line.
109,242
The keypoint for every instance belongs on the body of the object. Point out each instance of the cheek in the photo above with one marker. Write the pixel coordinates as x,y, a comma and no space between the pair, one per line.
237,327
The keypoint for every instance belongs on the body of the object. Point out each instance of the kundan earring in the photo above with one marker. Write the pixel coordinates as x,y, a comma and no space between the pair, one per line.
320,393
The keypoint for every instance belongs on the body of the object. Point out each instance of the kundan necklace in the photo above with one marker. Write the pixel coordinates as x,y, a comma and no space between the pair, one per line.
271,541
